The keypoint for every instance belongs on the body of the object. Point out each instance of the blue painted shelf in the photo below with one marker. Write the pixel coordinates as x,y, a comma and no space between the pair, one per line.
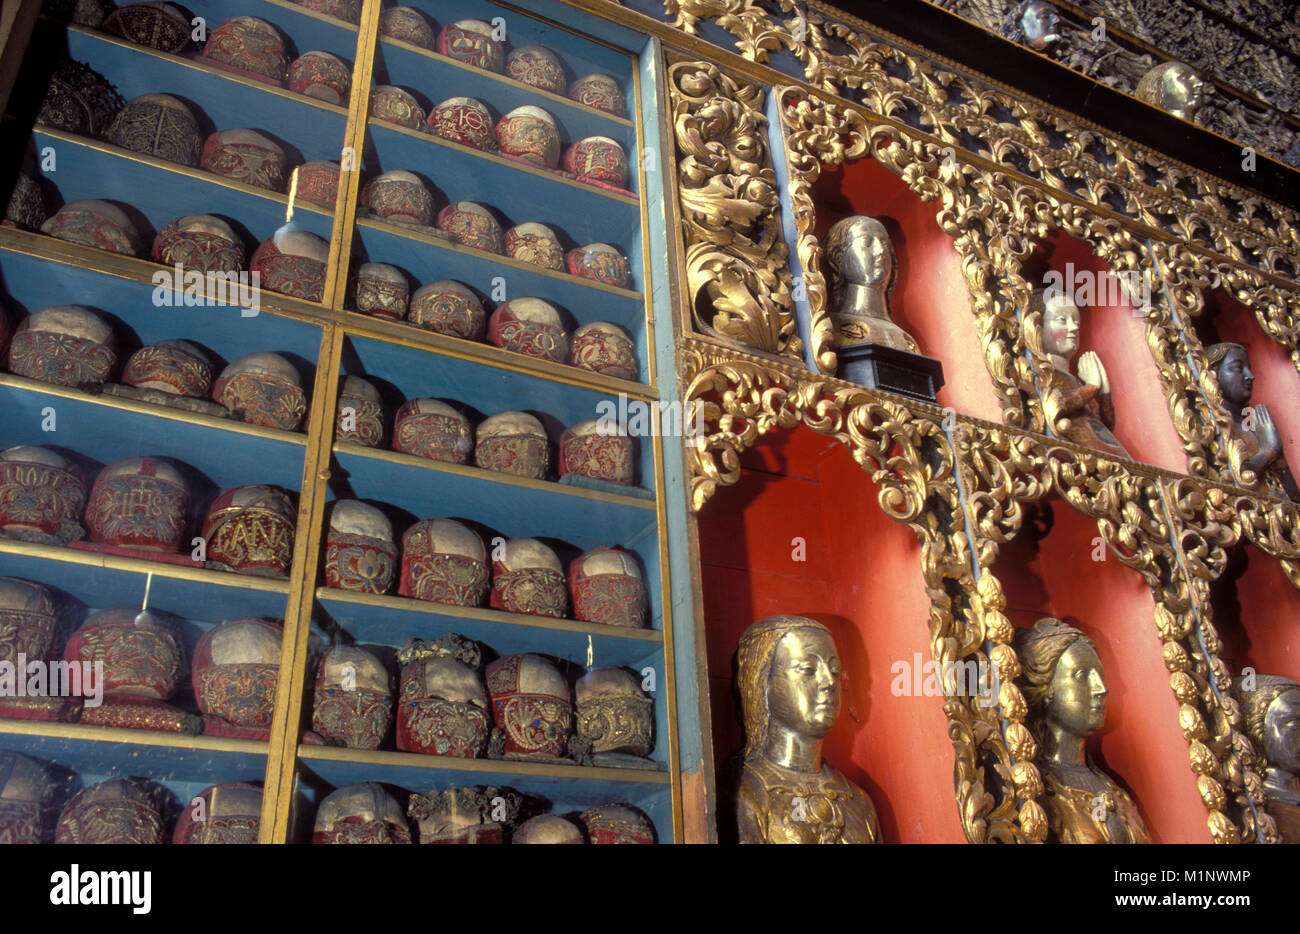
110,580
433,78
580,56
506,509
391,621
184,765
428,259
98,429
29,283
568,789
105,429
523,193
225,101
163,191
489,390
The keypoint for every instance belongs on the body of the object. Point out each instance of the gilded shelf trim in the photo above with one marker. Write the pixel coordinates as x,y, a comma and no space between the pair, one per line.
136,269
126,737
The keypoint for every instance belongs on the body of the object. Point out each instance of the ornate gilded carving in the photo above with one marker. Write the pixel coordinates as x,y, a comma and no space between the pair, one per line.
911,460
736,269
1005,172
898,81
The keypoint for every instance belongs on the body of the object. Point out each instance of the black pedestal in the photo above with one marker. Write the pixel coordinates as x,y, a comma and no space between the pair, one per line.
889,369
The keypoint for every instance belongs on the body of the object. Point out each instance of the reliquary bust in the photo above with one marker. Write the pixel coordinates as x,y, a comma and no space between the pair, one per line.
1084,399
1067,703
1270,708
789,676
863,270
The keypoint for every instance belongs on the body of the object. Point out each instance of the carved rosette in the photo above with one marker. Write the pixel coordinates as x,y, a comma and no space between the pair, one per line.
736,261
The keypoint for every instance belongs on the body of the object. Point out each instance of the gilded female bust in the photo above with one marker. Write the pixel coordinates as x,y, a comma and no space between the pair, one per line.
863,272
1084,399
1173,87
1270,708
1067,702
790,695
1033,23
1263,443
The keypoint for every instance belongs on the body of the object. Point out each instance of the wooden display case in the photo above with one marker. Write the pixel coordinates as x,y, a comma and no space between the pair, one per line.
921,535
326,341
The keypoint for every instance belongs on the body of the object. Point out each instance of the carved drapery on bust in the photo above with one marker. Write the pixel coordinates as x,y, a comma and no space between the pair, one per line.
736,260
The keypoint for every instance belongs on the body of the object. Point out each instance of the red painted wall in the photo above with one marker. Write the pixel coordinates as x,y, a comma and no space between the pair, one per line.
799,486
1257,615
1119,338
1141,744
930,300
802,532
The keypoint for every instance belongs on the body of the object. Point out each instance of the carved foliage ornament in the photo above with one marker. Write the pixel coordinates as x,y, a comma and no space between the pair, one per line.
736,268
911,461
1174,531
995,222
842,54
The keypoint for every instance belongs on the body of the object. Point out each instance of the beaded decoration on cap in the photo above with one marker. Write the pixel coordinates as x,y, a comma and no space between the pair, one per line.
451,645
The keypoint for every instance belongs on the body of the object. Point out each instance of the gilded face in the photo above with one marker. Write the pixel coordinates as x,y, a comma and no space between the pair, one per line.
1061,326
866,259
1076,698
1282,731
1039,23
1183,89
1236,379
803,692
